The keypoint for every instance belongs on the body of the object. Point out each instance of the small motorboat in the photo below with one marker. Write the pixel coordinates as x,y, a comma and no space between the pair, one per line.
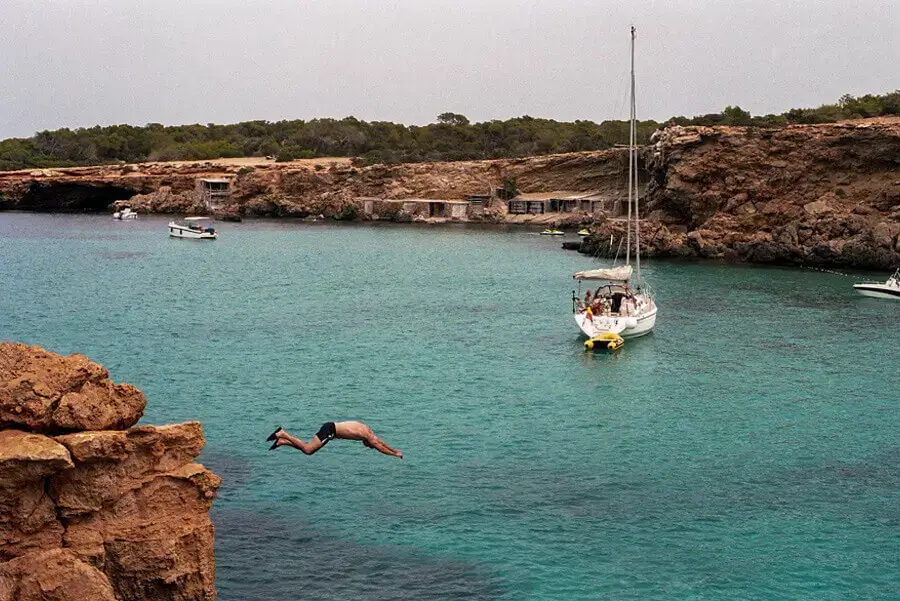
889,289
583,232
552,232
125,214
196,228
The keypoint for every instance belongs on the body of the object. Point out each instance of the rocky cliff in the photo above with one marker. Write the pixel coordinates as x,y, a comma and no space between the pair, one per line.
92,506
807,194
813,194
331,187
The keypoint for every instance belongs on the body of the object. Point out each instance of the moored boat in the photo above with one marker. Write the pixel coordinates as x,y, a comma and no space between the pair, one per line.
552,232
125,214
196,228
616,308
889,289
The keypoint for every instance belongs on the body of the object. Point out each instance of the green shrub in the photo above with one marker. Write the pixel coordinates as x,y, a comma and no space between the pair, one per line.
509,187
285,155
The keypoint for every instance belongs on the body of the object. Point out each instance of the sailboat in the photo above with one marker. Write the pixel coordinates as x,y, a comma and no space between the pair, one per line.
617,310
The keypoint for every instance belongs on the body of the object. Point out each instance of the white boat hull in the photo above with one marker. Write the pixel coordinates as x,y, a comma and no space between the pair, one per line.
626,327
178,231
878,290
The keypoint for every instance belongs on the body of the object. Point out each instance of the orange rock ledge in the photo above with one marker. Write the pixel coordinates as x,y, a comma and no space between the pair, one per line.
92,507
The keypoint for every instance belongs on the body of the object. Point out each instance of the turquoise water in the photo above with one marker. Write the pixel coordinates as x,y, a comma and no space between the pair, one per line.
748,449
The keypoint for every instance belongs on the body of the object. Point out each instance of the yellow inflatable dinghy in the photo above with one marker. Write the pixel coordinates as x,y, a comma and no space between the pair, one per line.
607,340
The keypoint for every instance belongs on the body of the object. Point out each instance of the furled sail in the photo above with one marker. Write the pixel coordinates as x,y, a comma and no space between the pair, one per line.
611,274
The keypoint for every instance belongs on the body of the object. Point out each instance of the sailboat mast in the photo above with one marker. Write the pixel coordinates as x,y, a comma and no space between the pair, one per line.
630,157
633,152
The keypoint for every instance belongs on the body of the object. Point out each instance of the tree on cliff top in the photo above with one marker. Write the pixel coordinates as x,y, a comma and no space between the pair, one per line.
735,115
452,119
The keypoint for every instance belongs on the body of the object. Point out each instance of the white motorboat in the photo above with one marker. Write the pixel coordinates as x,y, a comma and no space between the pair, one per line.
616,308
552,232
195,228
889,289
125,214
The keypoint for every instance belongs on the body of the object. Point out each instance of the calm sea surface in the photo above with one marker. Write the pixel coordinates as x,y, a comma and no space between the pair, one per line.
748,449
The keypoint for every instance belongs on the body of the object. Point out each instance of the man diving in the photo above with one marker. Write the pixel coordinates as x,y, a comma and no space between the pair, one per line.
343,430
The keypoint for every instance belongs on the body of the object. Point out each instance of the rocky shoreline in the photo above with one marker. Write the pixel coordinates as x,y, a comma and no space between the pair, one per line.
93,507
822,195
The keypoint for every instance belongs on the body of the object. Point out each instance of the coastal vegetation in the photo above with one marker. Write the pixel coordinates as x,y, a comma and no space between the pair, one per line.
847,107
452,137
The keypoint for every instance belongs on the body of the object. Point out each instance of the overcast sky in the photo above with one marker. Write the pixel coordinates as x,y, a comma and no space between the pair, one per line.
78,63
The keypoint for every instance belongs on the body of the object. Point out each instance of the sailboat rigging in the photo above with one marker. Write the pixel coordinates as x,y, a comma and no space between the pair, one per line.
616,310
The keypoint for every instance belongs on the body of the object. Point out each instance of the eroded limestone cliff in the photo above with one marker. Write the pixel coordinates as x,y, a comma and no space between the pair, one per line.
92,506
809,194
813,194
331,188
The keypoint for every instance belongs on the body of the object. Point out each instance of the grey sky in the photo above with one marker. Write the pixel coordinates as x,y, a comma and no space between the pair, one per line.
71,63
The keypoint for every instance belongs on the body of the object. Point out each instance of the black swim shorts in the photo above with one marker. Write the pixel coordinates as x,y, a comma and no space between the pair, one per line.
326,432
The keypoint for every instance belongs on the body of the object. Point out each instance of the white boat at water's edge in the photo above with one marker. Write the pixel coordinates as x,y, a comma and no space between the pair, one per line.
889,289
196,228
125,214
616,308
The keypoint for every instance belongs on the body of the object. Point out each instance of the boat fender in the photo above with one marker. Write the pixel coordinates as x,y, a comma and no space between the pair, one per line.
630,322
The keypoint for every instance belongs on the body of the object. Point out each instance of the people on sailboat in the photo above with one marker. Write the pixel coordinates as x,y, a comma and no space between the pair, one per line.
606,306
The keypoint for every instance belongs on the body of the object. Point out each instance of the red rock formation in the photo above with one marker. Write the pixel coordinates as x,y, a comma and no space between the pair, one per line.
298,190
96,514
43,392
54,575
822,195
28,520
816,194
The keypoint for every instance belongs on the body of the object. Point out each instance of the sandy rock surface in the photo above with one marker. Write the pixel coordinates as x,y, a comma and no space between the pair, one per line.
44,392
53,575
96,513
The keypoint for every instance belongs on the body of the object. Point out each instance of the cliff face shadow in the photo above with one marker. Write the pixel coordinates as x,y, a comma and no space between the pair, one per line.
260,558
70,197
